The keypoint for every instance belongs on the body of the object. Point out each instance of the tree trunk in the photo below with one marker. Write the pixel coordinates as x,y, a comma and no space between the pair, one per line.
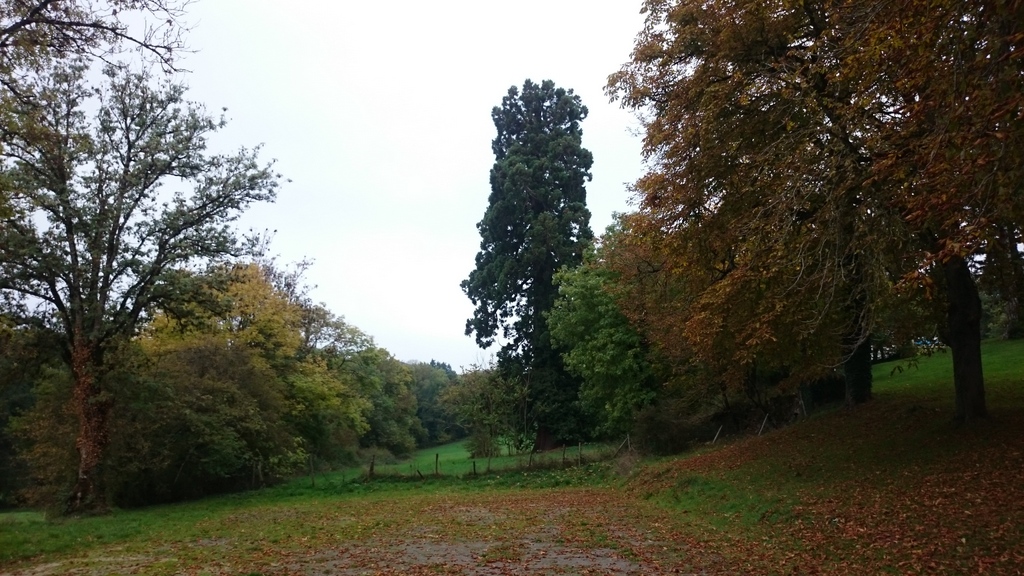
545,440
963,318
93,412
856,344
1011,329
857,370
1014,288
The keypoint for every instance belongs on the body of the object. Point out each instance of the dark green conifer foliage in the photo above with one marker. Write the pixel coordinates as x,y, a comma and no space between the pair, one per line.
536,222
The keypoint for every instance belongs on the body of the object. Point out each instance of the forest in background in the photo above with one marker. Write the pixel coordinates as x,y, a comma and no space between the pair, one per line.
829,184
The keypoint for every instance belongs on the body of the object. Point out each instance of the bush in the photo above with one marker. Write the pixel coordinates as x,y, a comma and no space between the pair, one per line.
45,436
481,445
671,426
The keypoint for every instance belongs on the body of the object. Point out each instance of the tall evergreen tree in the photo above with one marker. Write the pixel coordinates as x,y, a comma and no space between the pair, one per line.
536,222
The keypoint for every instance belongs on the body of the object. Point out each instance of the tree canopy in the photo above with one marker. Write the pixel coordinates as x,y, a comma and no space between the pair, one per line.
536,222
96,241
781,202
36,33
45,29
599,344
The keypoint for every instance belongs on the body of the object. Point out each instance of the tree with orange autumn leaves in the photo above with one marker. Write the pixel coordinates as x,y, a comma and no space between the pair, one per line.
954,158
817,168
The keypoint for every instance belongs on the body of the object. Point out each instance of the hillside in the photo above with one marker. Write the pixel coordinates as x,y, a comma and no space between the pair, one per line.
893,485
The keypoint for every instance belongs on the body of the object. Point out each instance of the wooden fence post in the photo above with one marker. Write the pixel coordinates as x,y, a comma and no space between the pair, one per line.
624,442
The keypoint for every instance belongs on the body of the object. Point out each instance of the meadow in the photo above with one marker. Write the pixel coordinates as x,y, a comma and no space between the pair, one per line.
890,487
454,459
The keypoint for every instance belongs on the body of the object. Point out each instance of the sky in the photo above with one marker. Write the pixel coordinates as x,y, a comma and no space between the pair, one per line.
378,114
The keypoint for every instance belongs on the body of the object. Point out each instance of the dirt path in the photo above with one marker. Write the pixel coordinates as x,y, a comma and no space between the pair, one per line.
564,531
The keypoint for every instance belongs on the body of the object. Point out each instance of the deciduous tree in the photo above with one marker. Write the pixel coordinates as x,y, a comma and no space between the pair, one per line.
35,33
953,154
109,207
813,155
429,383
493,408
759,203
62,28
386,384
599,344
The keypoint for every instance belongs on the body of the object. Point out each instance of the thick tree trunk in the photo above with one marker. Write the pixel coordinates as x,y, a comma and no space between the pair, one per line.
856,344
93,412
857,370
963,318
545,440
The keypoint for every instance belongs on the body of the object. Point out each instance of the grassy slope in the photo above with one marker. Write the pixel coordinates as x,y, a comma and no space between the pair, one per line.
890,487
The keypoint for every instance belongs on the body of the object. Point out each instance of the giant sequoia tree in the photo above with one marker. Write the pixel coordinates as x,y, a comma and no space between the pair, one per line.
536,222
113,198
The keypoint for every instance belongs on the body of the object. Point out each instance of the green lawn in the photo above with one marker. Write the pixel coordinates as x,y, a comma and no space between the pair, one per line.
931,378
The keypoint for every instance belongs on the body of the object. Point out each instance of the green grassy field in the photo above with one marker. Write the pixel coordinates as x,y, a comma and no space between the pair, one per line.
889,487
455,460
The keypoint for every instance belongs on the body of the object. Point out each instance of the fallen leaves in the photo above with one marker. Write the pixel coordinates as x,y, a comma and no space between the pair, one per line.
881,490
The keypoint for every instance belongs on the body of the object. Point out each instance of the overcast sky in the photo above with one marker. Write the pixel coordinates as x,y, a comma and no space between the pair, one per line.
379,114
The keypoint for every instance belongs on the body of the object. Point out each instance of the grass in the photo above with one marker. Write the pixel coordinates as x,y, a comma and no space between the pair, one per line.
893,486
454,459
23,517
27,534
931,378
895,478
